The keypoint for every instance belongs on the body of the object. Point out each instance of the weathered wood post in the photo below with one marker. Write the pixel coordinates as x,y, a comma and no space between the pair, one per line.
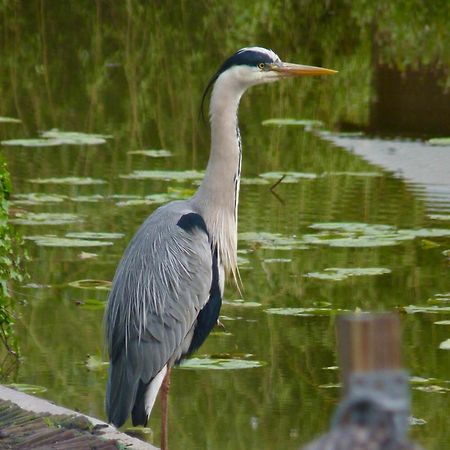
374,410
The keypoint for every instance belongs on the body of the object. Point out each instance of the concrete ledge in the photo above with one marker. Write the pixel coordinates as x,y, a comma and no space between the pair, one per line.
39,406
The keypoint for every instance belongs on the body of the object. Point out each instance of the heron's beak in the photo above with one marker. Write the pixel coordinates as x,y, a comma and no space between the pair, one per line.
297,70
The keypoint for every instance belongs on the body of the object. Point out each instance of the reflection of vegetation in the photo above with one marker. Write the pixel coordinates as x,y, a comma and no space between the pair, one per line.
9,270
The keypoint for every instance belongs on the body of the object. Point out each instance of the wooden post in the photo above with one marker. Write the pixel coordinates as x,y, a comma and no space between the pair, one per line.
366,343
374,409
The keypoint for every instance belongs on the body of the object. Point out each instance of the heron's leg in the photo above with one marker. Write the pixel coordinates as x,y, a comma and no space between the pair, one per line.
165,410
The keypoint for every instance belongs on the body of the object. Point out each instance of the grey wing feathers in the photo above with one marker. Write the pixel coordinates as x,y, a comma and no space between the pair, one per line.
161,284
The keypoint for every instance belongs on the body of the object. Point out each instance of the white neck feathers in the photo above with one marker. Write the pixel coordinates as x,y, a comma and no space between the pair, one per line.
217,196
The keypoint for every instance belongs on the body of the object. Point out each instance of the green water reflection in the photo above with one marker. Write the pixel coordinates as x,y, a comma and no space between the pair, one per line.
136,71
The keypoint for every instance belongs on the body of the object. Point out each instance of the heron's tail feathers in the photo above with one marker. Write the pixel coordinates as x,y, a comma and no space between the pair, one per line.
121,391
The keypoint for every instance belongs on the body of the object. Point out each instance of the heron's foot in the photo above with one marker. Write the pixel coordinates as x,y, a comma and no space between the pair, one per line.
220,325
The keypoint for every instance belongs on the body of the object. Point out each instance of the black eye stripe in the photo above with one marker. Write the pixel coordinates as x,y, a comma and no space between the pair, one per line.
242,58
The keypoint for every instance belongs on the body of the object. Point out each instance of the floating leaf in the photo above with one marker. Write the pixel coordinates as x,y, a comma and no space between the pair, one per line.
439,216
438,299
101,285
37,142
9,120
166,175
445,345
302,312
152,153
288,177
88,198
338,274
426,244
241,303
55,137
92,304
292,122
75,137
255,181
355,234
68,180
27,388
277,260
414,421
206,363
55,241
95,363
433,388
37,198
433,309
87,255
134,202
353,174
354,227
29,218
273,241
439,141
94,235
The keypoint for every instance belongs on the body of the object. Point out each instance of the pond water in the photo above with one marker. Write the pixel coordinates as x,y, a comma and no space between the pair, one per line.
341,233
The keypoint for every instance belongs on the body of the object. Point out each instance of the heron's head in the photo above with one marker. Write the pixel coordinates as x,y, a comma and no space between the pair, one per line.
256,65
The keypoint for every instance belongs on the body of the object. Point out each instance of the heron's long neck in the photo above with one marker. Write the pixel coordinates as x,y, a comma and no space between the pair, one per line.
218,195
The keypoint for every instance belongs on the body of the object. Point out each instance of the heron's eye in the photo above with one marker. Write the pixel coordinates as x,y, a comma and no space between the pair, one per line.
261,66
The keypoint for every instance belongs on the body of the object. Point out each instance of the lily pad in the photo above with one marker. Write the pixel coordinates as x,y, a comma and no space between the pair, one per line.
277,260
9,120
68,180
36,142
241,303
207,363
55,241
438,299
27,388
75,137
29,218
152,153
94,235
439,141
37,198
356,234
87,198
354,227
166,175
92,304
432,309
273,241
288,177
87,255
303,312
338,274
353,174
439,216
292,122
445,345
432,388
95,363
101,285
134,202
255,181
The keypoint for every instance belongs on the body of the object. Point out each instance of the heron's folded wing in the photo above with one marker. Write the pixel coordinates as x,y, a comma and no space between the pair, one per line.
161,284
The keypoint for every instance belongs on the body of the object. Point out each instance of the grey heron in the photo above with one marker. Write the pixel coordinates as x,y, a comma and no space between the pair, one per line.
167,290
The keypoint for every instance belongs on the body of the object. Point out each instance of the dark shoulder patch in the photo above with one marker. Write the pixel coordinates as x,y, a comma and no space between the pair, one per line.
192,220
